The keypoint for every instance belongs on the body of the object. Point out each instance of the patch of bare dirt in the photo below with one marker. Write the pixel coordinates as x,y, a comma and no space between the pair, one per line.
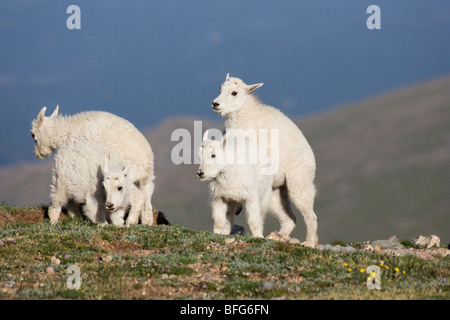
27,215
21,215
119,246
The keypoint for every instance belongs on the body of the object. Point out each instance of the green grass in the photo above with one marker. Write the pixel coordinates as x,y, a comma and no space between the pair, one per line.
175,262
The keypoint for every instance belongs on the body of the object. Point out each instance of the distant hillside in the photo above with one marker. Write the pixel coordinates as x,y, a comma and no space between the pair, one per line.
384,165
383,168
26,183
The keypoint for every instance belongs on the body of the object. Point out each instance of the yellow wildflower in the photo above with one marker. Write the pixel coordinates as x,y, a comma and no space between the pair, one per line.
362,270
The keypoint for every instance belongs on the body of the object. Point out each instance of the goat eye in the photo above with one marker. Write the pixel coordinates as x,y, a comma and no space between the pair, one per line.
234,93
119,188
32,135
213,156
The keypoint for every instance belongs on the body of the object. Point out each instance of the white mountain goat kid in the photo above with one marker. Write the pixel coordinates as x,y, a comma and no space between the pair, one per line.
82,177
235,181
293,178
121,195
115,133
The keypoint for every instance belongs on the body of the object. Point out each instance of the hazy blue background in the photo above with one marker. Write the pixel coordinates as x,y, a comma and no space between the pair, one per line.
149,60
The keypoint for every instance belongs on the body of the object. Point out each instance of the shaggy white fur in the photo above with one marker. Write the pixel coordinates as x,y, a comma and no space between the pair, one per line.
92,176
115,133
121,194
235,181
293,179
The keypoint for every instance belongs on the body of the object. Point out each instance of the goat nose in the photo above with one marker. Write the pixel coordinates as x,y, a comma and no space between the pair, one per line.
215,104
109,205
200,173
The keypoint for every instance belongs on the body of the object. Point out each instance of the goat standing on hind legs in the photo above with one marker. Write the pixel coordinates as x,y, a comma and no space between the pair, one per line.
293,179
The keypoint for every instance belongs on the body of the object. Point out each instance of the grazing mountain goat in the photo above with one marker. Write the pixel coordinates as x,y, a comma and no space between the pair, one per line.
293,178
94,177
235,181
115,133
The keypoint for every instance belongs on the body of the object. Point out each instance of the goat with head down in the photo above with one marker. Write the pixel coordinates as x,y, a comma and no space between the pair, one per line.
105,129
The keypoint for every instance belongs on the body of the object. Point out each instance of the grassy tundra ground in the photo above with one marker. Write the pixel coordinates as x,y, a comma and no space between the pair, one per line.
174,262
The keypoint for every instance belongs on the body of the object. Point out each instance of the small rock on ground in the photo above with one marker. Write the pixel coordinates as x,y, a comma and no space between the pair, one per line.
428,241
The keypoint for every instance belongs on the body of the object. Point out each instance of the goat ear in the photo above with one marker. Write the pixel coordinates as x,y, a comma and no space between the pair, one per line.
252,87
126,168
55,113
228,77
205,135
41,115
